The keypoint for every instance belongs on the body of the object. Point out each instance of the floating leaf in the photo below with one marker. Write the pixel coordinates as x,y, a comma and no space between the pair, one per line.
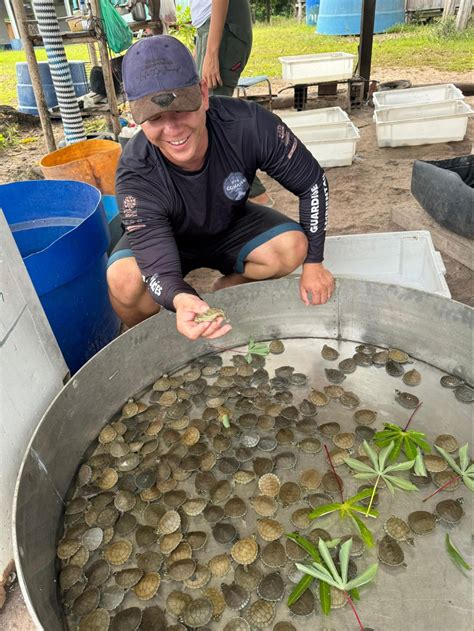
455,554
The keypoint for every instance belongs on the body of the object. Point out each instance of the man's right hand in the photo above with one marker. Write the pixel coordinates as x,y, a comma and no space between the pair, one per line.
188,306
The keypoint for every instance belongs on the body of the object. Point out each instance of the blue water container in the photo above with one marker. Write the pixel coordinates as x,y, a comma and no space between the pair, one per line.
312,9
61,231
24,88
342,17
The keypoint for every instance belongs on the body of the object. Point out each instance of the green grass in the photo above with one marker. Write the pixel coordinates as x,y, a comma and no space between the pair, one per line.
436,46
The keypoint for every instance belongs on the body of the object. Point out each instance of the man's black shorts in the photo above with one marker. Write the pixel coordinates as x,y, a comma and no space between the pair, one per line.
228,250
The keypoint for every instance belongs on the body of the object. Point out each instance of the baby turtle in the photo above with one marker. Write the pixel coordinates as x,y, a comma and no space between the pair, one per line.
153,618
380,358
209,316
320,399
170,542
347,366
119,552
276,347
97,620
329,353
213,514
217,599
443,477
247,576
264,505
349,400
271,587
224,533
464,393
169,523
420,480
284,626
422,522
304,606
200,578
435,463
393,369
129,577
236,597
310,479
447,442
245,551
406,400
398,356
412,378
450,511
237,624
268,443
390,553
86,602
177,602
363,432
260,613
273,555
294,552
310,445
290,493
332,483
263,465
398,529
183,569
330,429
318,499
451,381
364,361
334,376
127,620
269,484
334,392
285,460
235,507
366,501
147,586
299,518
358,546
198,613
344,440
243,477
219,565
339,456
269,529
338,597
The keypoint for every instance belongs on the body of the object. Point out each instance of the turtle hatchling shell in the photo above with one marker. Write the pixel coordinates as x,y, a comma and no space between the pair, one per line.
290,493
198,613
97,620
245,551
334,376
450,511
219,565
464,393
235,507
271,587
295,552
358,546
248,576
243,477
310,479
365,417
389,552
310,445
349,400
127,620
284,626
347,366
237,624
147,586
285,460
264,505
269,484
344,440
320,399
332,483
273,555
224,533
406,400
329,429
394,369
422,522
304,606
329,353
447,442
260,613
412,378
183,569
299,518
177,602
451,381
86,602
269,529
119,552
334,392
236,597
217,599
442,478
434,463
398,529
129,577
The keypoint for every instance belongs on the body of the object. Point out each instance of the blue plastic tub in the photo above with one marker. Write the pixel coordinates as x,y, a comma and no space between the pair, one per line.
62,233
342,17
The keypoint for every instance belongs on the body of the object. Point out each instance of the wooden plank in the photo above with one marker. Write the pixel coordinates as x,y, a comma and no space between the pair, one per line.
450,243
464,13
449,9
33,68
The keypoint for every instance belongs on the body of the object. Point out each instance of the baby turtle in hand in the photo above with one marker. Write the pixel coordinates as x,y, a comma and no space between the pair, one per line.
210,315
422,522
390,553
450,511
398,529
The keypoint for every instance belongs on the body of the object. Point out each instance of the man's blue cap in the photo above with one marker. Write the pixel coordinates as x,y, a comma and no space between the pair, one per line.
159,75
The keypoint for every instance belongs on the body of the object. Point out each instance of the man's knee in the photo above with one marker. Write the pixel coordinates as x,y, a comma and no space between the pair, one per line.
125,282
292,253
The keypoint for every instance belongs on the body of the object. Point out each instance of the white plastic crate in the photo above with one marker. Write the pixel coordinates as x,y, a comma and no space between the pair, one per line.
399,258
331,145
321,67
309,118
417,96
422,125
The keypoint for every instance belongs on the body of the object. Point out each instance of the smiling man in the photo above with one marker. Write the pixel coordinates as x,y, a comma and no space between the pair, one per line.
182,186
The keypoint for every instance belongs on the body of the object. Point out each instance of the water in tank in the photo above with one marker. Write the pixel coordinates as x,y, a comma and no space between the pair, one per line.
342,17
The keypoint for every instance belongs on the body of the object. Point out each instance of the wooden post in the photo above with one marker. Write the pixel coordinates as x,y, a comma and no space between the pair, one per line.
33,68
108,77
448,9
92,53
464,13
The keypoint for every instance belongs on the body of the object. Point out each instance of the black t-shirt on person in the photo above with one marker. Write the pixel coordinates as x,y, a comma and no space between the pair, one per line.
161,203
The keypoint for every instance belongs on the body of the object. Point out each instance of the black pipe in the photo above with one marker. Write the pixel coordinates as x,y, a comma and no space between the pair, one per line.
367,21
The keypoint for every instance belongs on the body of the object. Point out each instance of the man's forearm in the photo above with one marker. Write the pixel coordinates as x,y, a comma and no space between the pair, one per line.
216,29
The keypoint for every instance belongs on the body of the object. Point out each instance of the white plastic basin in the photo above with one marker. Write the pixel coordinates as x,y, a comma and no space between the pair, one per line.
320,67
411,96
309,118
331,145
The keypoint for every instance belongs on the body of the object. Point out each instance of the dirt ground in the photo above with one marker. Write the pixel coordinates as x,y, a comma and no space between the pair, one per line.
362,197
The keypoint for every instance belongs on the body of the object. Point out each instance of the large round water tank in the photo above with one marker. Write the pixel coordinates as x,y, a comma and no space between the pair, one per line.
312,8
342,17
24,88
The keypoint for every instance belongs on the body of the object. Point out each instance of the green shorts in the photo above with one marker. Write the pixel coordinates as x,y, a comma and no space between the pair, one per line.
234,52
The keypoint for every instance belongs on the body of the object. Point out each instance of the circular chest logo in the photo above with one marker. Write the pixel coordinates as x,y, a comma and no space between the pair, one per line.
235,186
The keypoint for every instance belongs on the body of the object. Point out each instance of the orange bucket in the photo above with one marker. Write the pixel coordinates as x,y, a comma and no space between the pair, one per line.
91,161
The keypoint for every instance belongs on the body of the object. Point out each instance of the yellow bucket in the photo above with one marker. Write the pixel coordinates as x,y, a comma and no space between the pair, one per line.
91,161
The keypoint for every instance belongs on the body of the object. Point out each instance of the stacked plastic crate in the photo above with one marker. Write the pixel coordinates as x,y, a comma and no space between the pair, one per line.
420,116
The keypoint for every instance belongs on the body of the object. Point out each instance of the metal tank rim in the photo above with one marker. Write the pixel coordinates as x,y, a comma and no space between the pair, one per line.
436,329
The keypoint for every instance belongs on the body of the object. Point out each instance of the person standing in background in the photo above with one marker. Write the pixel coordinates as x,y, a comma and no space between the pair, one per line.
223,46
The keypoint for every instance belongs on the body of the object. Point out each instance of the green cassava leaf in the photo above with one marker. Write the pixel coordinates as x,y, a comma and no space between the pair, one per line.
455,555
357,465
389,484
300,588
409,448
327,558
405,485
371,454
366,536
450,460
419,467
354,593
344,553
321,574
463,457
383,455
359,496
325,597
372,512
364,578
306,545
326,509
400,466
366,476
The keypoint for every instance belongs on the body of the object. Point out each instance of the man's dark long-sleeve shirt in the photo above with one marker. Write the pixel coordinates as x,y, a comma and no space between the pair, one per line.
161,203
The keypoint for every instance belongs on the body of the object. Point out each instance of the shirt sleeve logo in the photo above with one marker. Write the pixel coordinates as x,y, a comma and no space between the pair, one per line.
235,186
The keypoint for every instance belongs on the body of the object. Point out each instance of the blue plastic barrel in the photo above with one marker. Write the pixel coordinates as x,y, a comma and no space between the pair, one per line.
342,17
312,9
24,88
61,231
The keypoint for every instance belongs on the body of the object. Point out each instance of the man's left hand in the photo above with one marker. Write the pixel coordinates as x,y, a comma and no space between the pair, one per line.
316,284
210,70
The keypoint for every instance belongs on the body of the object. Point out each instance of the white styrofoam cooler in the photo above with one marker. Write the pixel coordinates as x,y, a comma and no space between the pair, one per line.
422,124
308,118
319,67
399,258
417,96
